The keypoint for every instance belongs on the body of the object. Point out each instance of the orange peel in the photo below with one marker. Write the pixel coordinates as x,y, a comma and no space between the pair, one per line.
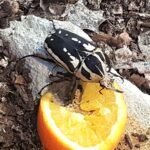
99,128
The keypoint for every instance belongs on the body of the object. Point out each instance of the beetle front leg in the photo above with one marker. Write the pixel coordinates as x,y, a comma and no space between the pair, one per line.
38,55
59,74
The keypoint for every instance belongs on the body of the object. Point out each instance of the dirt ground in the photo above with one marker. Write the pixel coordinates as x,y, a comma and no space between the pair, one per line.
18,116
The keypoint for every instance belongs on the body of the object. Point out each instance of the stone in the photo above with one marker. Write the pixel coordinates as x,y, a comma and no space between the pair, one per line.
83,17
144,44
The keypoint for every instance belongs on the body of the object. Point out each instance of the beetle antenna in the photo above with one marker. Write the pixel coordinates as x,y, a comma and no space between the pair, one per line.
54,25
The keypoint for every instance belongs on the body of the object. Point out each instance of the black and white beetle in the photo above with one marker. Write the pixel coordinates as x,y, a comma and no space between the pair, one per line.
80,57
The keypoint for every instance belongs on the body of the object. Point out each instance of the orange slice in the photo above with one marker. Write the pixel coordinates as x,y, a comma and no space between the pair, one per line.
98,126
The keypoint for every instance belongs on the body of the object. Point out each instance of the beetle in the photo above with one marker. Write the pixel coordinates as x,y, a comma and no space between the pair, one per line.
80,57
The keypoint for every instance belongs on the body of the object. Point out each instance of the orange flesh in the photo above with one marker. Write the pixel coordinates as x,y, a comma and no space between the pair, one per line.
99,128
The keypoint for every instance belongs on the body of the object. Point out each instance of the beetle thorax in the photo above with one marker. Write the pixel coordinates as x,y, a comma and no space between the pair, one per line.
92,69
85,74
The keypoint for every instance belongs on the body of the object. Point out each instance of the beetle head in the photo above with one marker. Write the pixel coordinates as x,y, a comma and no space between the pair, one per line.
107,82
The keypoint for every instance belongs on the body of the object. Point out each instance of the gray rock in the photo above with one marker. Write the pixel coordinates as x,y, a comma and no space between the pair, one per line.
81,16
144,44
138,103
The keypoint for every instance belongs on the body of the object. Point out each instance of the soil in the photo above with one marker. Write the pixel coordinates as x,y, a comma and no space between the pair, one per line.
18,112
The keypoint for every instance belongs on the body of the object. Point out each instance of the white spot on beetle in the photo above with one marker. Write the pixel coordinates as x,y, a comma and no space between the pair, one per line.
51,39
59,32
72,57
79,41
69,54
56,57
89,46
64,49
93,77
66,34
74,61
75,39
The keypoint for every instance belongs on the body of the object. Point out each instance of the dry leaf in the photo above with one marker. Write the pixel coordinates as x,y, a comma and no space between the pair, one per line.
108,39
20,80
4,62
126,38
147,76
123,55
51,8
137,79
15,7
57,9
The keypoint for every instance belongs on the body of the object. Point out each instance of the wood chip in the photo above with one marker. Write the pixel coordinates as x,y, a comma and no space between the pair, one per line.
125,37
142,138
20,80
128,141
137,145
56,9
135,134
137,79
21,90
15,7
4,62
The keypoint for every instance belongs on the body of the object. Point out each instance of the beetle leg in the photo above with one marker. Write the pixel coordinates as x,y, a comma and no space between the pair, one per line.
74,88
70,91
45,86
64,75
101,90
59,74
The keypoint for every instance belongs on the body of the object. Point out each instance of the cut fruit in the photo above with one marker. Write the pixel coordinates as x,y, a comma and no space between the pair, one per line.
97,125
